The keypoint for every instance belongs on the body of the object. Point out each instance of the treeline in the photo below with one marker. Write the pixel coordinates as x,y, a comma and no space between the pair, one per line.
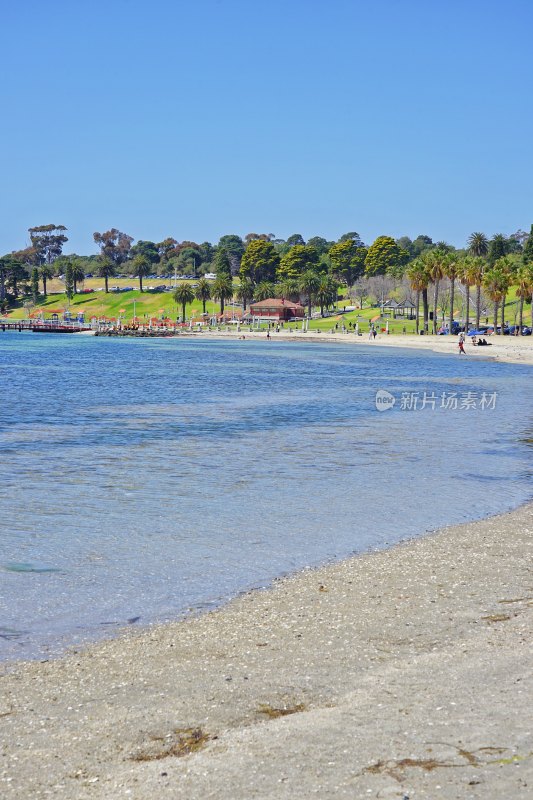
266,266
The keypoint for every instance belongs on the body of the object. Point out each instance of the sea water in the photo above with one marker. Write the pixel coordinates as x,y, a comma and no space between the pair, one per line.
141,480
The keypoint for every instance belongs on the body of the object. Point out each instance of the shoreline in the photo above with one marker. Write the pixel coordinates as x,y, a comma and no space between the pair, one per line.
392,672
515,350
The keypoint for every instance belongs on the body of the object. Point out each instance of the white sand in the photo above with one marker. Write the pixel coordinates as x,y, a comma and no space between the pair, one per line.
408,672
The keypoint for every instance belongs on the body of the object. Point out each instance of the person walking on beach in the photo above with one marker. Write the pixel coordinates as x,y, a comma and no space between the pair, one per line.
462,347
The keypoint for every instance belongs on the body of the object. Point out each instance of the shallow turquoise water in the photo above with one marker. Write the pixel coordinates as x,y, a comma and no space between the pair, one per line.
140,479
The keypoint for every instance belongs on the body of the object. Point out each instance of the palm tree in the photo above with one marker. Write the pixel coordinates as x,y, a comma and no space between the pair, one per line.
183,295
290,289
47,273
478,244
78,274
222,290
494,282
245,291
524,289
326,294
435,261
264,291
309,283
142,266
507,267
106,269
451,270
418,278
203,292
467,276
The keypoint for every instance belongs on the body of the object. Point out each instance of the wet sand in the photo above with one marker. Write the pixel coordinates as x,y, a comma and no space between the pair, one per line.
398,673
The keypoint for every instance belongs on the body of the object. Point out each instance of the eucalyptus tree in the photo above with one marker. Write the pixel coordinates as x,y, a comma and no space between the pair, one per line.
418,276
114,246
309,283
203,291
48,241
222,290
183,295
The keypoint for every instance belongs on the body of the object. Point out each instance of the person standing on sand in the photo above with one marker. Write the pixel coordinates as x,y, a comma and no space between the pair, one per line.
462,347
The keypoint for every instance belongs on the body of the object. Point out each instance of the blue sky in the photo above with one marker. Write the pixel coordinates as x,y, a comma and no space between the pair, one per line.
197,119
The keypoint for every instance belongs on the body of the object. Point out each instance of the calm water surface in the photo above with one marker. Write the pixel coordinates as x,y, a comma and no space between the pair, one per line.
142,479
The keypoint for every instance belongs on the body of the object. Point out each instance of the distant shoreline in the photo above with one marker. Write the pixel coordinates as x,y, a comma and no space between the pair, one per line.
516,350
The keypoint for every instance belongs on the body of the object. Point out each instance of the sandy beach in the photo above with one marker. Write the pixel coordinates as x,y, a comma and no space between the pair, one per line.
399,673
518,350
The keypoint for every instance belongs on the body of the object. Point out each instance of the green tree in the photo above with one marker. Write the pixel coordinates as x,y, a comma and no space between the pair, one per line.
203,291
222,290
148,250
13,275
233,245
35,284
69,281
260,261
245,291
183,295
299,259
141,267
347,260
295,239
309,284
498,247
190,256
222,263
320,244
384,257
528,248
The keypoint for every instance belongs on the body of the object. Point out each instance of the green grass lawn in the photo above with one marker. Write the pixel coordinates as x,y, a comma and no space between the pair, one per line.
156,304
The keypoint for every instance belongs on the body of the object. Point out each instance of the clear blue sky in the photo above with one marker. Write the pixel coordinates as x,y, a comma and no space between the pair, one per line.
197,119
